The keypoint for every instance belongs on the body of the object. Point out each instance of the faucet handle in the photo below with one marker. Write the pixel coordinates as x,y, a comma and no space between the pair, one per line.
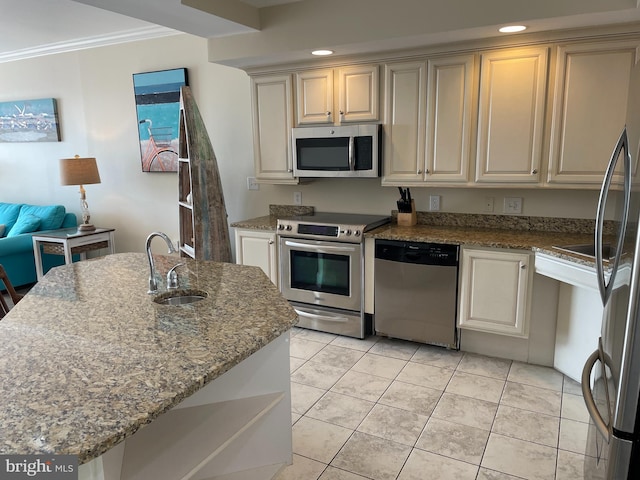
172,277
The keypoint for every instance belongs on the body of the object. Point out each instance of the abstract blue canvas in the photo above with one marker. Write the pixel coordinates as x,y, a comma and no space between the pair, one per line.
158,111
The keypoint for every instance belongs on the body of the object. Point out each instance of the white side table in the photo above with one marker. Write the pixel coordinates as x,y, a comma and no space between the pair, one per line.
69,242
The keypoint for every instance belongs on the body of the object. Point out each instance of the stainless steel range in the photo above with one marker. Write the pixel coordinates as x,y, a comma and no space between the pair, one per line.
322,270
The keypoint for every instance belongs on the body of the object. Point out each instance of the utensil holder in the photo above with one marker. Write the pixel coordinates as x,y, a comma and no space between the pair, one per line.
408,219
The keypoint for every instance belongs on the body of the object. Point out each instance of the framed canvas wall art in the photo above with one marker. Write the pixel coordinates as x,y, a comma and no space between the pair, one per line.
157,97
29,121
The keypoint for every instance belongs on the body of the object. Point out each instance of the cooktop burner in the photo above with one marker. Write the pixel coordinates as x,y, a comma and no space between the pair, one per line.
345,227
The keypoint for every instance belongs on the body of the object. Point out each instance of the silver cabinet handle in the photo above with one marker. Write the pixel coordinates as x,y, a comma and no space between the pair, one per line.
523,266
419,171
427,171
270,242
328,114
534,171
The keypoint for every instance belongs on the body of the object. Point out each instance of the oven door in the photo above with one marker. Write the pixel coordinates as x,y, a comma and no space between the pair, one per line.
321,273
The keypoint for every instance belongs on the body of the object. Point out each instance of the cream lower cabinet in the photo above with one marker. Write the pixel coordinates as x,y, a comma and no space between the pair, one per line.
271,98
259,249
589,108
494,291
513,88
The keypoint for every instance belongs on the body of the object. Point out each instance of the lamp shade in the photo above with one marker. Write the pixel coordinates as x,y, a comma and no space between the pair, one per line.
79,171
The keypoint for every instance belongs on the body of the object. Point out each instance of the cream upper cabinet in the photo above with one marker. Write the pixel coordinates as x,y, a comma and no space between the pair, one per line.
271,98
450,87
341,95
513,86
589,108
428,121
494,291
404,131
258,249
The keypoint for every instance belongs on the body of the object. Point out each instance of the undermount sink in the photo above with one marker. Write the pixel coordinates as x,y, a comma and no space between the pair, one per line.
588,249
181,297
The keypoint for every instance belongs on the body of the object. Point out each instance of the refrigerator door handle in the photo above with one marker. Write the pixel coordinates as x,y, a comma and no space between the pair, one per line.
598,421
622,146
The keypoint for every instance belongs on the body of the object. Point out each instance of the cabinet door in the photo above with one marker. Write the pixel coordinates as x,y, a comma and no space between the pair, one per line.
404,131
449,104
511,115
258,249
358,93
494,291
271,102
314,97
589,107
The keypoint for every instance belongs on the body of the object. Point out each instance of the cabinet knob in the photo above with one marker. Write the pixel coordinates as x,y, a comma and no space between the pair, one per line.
290,170
535,171
419,171
427,171
523,266
270,242
328,114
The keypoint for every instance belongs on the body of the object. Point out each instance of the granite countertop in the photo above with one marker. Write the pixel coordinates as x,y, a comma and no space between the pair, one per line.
538,234
88,358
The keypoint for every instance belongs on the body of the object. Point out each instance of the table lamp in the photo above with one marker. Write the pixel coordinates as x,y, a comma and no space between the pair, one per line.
80,171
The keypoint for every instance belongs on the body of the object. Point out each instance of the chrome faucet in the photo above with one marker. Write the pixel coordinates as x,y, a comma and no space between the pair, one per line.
153,284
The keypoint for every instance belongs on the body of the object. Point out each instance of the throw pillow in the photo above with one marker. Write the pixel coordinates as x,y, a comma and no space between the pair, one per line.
2,229
25,224
51,216
9,214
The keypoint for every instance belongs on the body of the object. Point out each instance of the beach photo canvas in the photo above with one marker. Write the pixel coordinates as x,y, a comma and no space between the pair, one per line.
157,97
29,121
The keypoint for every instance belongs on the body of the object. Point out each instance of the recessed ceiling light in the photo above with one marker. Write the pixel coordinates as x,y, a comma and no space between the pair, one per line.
322,52
512,29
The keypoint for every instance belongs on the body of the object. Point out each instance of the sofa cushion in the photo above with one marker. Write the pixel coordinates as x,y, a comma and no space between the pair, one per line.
51,216
9,214
26,224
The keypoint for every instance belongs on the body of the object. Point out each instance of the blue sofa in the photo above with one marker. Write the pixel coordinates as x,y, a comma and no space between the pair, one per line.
18,222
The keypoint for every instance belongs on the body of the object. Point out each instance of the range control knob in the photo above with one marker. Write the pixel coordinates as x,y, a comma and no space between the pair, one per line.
356,233
348,232
280,227
288,228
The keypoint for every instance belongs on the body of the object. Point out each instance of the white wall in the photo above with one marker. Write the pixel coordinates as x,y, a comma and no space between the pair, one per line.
94,90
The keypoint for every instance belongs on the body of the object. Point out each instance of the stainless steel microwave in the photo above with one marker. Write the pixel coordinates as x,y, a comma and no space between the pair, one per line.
342,151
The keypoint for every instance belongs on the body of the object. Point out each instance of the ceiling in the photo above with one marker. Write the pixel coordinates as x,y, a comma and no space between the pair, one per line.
39,27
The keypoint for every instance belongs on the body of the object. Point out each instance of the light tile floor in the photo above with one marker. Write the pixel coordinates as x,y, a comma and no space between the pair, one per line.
387,409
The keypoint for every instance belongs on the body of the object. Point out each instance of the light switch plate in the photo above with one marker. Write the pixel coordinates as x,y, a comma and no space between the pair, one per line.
434,203
297,198
512,204
252,184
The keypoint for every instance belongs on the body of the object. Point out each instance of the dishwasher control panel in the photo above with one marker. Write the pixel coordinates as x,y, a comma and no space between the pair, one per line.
417,252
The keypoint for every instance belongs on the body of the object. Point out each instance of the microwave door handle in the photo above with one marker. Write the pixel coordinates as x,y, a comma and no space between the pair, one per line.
352,165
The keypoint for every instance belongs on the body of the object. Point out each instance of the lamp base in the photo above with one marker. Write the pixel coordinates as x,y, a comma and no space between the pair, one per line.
86,227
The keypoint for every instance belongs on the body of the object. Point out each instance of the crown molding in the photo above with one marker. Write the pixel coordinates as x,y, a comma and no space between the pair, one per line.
144,33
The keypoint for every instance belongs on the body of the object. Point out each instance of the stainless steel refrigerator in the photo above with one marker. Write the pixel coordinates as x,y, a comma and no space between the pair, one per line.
611,375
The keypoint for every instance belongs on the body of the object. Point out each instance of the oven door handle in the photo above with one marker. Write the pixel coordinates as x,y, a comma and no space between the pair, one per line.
324,316
319,248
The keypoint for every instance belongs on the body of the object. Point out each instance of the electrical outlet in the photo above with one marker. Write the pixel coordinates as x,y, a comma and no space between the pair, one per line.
512,204
434,203
488,204
297,198
252,184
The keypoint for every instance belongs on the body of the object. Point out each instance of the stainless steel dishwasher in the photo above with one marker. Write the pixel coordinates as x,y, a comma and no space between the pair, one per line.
416,291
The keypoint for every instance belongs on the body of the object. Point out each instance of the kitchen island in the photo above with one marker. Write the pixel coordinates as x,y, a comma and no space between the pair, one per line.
92,366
